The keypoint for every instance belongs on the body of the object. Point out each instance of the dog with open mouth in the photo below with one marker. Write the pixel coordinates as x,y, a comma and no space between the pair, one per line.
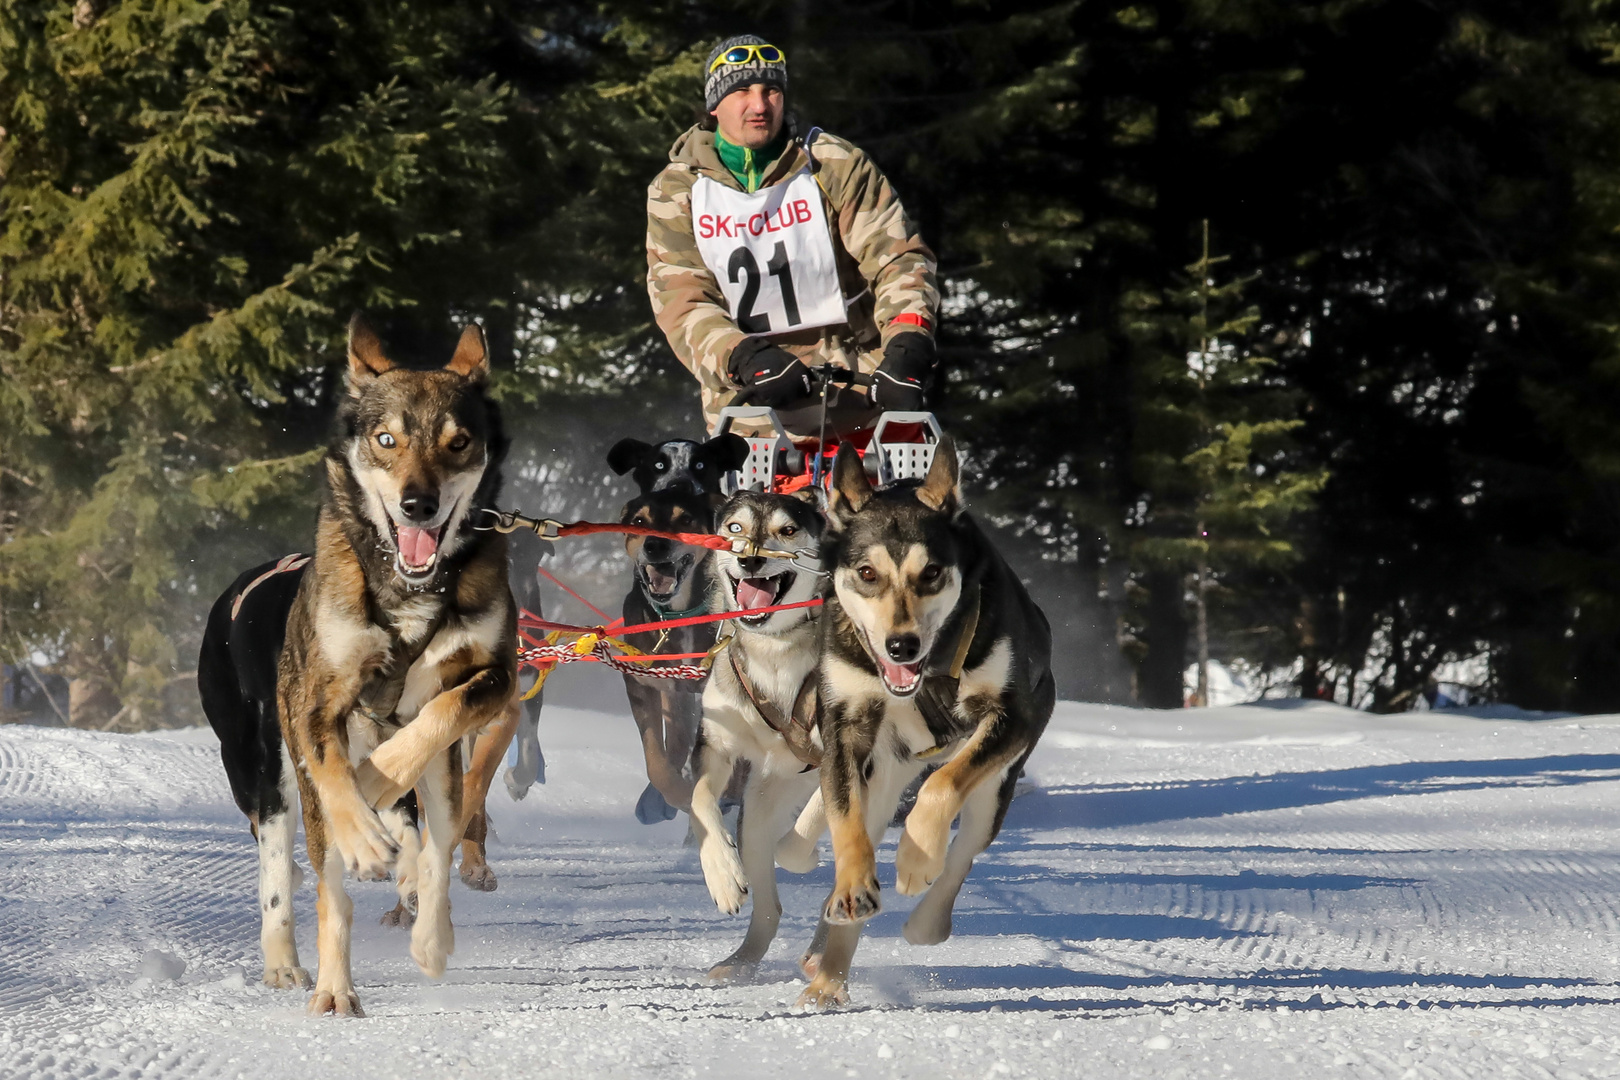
399,643
680,488
932,651
759,708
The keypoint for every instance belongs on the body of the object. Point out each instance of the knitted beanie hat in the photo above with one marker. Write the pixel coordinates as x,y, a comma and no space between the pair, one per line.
724,79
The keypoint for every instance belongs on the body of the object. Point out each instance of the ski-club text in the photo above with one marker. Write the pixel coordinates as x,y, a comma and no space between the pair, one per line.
786,216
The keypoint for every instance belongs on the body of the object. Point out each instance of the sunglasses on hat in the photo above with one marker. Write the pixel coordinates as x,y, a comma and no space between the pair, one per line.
743,54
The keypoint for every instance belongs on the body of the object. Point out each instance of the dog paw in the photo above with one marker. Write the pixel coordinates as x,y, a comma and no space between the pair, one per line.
797,855
917,864
926,928
516,788
810,963
734,968
478,876
367,848
377,788
824,992
335,1003
432,945
286,977
401,916
853,901
723,873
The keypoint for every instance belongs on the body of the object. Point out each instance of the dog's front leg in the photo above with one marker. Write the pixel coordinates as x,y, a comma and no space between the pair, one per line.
352,828
986,755
334,912
844,796
858,825
394,767
775,790
433,938
930,921
722,869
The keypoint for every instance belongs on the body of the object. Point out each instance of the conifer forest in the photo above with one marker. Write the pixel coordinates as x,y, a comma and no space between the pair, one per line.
1285,334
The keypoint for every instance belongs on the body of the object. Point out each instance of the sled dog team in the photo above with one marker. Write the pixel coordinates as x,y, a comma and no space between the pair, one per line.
378,676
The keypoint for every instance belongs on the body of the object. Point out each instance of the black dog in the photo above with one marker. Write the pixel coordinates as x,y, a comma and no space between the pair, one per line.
680,487
670,464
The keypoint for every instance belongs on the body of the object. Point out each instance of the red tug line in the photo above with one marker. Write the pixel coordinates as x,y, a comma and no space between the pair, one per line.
544,655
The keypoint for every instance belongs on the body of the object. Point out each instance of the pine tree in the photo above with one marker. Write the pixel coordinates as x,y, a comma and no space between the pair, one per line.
194,197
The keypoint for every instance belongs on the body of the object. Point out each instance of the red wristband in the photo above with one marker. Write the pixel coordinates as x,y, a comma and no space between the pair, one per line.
911,319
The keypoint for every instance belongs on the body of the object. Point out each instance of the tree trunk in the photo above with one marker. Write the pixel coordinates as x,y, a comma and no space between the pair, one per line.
1160,675
1201,601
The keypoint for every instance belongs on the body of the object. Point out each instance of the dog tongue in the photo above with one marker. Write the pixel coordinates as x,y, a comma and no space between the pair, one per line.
755,592
658,581
417,546
899,675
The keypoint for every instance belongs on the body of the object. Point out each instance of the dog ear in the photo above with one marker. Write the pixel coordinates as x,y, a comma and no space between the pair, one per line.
942,488
626,455
366,359
851,490
730,450
815,495
471,359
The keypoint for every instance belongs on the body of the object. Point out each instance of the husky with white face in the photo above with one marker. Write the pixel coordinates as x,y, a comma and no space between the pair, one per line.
760,707
932,651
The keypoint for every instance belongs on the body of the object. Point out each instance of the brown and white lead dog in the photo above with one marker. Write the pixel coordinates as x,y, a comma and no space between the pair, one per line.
401,641
932,650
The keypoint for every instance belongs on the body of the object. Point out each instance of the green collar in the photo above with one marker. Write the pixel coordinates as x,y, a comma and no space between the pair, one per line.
749,166
665,615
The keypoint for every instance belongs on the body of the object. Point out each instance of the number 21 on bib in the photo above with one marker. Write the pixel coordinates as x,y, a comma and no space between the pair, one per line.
771,253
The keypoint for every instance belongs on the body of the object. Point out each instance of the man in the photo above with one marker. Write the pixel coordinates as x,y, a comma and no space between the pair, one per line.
771,250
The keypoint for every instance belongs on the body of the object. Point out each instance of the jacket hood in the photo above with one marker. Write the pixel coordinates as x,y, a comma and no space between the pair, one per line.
695,149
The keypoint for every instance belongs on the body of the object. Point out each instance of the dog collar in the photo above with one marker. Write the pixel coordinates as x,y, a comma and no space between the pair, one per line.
665,614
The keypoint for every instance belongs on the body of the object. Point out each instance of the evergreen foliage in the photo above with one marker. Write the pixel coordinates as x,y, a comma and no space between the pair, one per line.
1421,204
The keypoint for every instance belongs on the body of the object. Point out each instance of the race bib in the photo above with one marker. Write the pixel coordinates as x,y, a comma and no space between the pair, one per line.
771,253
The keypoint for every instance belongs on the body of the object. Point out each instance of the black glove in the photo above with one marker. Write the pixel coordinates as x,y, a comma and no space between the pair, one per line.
772,375
908,359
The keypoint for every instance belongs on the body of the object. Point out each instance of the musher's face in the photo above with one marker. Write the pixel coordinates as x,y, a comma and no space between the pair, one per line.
751,116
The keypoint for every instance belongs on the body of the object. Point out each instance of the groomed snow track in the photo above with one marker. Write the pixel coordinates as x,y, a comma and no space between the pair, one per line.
1248,892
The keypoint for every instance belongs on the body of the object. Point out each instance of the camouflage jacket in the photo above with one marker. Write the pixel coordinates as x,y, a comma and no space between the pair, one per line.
885,269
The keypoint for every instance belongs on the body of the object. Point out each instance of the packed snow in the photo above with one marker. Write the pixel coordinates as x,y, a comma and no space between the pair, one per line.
1250,891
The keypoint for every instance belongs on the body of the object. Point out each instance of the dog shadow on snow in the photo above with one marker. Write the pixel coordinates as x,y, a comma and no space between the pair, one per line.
1114,806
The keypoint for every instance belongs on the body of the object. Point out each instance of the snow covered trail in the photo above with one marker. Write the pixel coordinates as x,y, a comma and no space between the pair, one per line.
1243,891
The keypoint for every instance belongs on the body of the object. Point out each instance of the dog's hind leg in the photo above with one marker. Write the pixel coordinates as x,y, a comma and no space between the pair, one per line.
488,752
797,852
529,768
769,802
665,746
401,822
475,870
433,939
279,878
930,921
810,959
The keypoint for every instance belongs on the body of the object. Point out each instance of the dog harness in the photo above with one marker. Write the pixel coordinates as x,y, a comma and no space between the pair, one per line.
796,728
936,697
380,694
286,564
